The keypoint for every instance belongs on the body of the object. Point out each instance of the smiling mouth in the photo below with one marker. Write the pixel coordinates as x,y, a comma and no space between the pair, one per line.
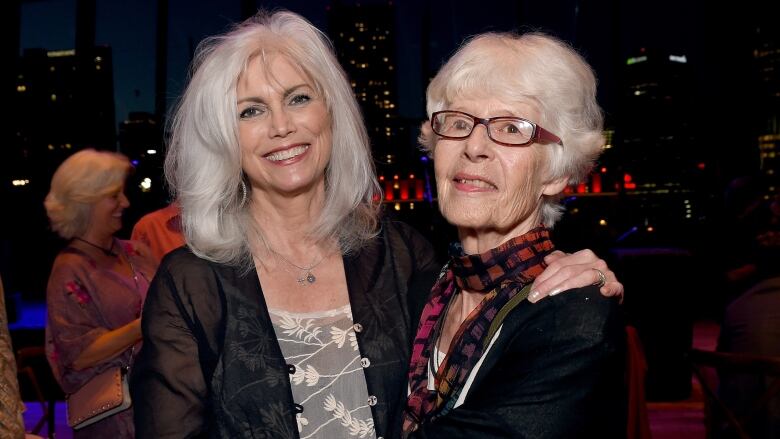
286,154
480,184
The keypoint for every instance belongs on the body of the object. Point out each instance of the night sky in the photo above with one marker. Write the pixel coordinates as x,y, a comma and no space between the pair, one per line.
605,32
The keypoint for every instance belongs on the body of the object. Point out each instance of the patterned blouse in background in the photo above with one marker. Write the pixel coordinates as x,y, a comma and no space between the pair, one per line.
11,407
85,301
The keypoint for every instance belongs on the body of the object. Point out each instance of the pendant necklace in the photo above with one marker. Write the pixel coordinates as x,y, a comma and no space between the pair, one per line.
308,278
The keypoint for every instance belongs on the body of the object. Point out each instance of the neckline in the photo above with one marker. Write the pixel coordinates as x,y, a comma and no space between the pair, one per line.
344,309
134,272
106,251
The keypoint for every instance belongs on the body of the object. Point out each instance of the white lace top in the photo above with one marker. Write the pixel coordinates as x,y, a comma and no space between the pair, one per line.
328,380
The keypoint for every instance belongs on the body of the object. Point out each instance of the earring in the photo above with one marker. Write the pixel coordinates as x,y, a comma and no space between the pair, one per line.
242,185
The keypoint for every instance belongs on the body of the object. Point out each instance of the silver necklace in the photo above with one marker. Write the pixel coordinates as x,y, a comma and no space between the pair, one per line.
308,277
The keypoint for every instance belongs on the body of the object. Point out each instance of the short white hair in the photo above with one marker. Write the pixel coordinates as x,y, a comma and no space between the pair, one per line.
534,69
203,164
78,183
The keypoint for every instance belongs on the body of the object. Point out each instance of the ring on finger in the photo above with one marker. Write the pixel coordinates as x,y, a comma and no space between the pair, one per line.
602,278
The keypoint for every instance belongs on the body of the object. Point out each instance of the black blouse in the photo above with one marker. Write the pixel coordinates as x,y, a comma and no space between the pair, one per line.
211,366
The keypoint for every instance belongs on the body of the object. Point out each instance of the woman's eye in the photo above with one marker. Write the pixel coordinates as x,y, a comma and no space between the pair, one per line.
300,99
461,125
507,127
250,112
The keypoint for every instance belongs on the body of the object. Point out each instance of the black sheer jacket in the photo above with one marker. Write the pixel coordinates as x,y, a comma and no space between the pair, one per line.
210,365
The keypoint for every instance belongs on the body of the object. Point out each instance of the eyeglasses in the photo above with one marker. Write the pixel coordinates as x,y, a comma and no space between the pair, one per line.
504,130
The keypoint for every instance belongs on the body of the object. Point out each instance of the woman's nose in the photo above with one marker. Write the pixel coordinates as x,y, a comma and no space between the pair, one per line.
478,144
281,123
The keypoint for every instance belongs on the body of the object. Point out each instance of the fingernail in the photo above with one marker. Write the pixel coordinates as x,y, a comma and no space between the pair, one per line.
554,292
533,297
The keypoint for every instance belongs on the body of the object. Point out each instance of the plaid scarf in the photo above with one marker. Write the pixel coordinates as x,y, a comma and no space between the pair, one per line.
501,273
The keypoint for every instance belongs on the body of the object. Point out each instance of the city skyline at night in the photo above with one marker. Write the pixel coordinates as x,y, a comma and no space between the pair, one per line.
604,31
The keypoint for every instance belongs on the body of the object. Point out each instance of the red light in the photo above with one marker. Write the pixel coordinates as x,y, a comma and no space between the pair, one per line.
389,196
701,166
596,183
630,185
395,177
404,189
603,170
381,178
581,188
419,190
627,178
411,175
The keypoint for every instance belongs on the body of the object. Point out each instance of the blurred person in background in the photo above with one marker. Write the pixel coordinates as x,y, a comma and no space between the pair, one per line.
11,405
98,283
160,230
751,321
748,216
513,121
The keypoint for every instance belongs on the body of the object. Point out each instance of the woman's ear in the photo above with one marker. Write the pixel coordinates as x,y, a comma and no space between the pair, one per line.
555,187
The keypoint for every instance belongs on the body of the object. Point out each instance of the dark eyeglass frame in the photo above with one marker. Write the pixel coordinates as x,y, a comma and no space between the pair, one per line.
538,134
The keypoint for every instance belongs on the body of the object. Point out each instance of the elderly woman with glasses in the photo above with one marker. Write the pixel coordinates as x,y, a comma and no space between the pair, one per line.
486,363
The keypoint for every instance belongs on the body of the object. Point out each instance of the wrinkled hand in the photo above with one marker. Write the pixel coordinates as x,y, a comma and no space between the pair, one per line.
566,271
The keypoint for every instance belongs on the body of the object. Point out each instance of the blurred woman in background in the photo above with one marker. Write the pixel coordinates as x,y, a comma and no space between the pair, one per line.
98,283
11,406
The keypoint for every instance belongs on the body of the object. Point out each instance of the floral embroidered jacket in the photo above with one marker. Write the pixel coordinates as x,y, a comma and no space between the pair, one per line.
211,365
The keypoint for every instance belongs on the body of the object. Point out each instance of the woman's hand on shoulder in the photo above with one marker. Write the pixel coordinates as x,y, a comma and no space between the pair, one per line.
576,270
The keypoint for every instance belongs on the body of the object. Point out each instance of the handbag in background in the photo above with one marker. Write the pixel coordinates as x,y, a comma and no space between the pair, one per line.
104,395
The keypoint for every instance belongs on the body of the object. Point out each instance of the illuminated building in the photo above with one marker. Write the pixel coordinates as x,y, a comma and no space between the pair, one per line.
64,102
657,143
363,36
766,57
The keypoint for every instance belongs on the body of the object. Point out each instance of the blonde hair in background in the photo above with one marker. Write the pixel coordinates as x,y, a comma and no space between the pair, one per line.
79,182
203,164
535,69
